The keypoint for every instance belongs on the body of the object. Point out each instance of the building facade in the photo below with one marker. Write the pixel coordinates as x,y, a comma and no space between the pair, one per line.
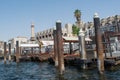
48,34
111,23
20,39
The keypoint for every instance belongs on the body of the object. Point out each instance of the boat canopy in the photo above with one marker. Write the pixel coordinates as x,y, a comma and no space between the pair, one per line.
74,39
46,43
29,45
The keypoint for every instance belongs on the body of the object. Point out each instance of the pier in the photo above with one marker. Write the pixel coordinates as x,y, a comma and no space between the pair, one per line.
82,52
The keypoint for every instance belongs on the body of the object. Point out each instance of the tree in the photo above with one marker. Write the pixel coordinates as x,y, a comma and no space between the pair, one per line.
75,30
77,14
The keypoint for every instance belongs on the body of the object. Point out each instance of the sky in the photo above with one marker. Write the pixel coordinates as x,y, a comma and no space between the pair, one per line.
16,16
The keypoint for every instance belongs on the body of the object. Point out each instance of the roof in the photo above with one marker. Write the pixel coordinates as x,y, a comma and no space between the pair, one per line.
46,43
29,45
74,39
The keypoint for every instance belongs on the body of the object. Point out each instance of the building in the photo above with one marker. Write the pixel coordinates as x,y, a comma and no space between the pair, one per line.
20,39
109,24
48,34
32,33
1,47
1,44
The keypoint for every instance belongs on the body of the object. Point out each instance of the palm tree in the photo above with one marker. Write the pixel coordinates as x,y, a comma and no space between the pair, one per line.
77,14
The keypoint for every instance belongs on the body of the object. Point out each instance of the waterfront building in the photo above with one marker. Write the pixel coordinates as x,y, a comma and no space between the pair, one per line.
109,24
48,34
21,40
68,28
1,44
110,30
1,47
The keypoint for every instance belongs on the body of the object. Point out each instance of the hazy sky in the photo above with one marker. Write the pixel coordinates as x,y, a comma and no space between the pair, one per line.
16,15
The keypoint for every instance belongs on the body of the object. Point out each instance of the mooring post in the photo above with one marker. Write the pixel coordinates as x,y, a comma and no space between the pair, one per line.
5,53
40,48
95,54
32,50
9,58
20,50
14,51
99,45
83,48
70,45
55,48
17,51
60,47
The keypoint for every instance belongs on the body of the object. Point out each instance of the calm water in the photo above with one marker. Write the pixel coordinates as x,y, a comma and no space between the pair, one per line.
45,71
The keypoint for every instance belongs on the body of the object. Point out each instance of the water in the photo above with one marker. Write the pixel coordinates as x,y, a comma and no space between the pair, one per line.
45,71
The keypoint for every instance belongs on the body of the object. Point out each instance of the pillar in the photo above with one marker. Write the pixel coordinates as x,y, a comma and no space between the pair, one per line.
32,32
83,48
17,51
55,48
5,53
32,50
99,45
60,48
70,45
9,58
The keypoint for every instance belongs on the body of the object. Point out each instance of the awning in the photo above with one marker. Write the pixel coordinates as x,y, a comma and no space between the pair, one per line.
74,39
87,39
46,43
29,45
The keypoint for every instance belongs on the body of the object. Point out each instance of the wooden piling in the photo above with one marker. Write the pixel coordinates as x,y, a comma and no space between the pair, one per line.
9,58
60,48
32,50
99,45
17,51
70,45
55,48
20,50
5,53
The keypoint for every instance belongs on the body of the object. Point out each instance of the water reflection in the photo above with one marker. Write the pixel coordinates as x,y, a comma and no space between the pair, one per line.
102,77
45,71
60,77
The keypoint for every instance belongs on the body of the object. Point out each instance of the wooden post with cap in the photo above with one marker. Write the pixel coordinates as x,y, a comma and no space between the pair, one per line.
5,53
99,45
9,58
55,48
60,47
17,51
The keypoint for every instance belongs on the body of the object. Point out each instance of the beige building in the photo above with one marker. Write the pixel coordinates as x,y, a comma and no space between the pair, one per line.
20,39
1,44
48,34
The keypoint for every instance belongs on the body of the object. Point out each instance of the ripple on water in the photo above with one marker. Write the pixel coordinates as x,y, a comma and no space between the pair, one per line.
45,71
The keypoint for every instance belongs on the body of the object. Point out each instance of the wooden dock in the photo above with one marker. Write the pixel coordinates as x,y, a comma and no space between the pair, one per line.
35,57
